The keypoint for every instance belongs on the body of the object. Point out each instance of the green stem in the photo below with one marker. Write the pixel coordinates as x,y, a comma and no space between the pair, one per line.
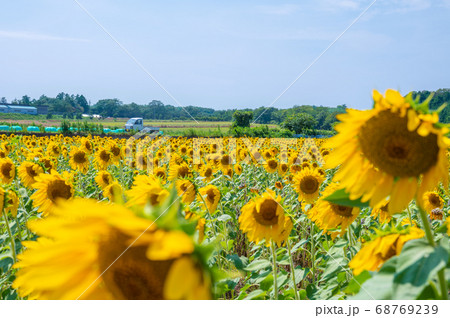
13,243
274,262
313,254
291,262
409,216
430,238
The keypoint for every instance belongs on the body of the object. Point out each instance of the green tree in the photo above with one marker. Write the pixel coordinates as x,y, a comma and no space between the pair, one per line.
299,123
242,118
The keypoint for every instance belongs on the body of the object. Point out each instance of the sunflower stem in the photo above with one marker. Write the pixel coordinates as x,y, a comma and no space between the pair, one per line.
291,262
274,262
430,238
409,215
313,254
13,243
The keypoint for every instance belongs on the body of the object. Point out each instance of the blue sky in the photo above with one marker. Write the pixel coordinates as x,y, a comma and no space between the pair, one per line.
224,54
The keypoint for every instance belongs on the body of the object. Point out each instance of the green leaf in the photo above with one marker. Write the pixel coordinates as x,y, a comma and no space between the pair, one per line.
342,198
257,265
256,294
355,284
379,287
224,217
418,263
239,261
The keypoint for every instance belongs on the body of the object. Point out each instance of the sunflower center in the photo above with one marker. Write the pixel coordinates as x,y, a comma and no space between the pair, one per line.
344,211
183,171
211,196
115,151
272,164
79,157
208,172
309,185
132,275
58,189
267,214
31,172
388,144
7,169
106,178
434,199
104,156
284,167
160,174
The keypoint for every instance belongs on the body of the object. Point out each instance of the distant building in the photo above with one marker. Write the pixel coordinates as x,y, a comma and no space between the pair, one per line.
8,108
42,109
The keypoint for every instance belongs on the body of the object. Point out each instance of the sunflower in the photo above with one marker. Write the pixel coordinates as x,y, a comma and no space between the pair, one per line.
146,189
263,218
116,152
207,172
113,192
160,173
47,163
86,144
279,185
283,168
432,200
186,190
391,150
11,203
329,216
28,171
103,158
70,260
53,149
79,159
7,170
211,196
51,190
238,169
179,171
374,253
307,184
271,165
381,211
103,179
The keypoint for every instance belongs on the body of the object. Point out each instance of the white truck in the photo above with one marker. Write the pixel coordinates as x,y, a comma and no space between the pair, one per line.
137,124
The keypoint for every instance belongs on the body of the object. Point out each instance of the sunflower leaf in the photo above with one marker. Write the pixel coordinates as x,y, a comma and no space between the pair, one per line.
342,198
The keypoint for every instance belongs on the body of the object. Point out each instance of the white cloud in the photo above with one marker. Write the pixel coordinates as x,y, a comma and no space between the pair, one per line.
342,4
282,9
24,35
403,6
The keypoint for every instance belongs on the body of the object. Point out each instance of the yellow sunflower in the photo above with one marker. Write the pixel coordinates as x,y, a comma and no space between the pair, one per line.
179,171
103,179
374,253
103,158
79,255
207,172
264,218
51,190
307,184
11,203
381,211
7,170
432,200
391,150
211,196
28,171
186,190
146,189
113,192
271,165
160,173
328,216
78,159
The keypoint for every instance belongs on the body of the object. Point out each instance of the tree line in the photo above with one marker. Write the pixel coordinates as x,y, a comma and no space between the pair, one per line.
315,117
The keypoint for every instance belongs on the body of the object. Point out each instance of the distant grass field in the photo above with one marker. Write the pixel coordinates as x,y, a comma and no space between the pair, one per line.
168,127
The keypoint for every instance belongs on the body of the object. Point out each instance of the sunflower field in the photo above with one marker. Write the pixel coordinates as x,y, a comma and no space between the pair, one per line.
361,215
